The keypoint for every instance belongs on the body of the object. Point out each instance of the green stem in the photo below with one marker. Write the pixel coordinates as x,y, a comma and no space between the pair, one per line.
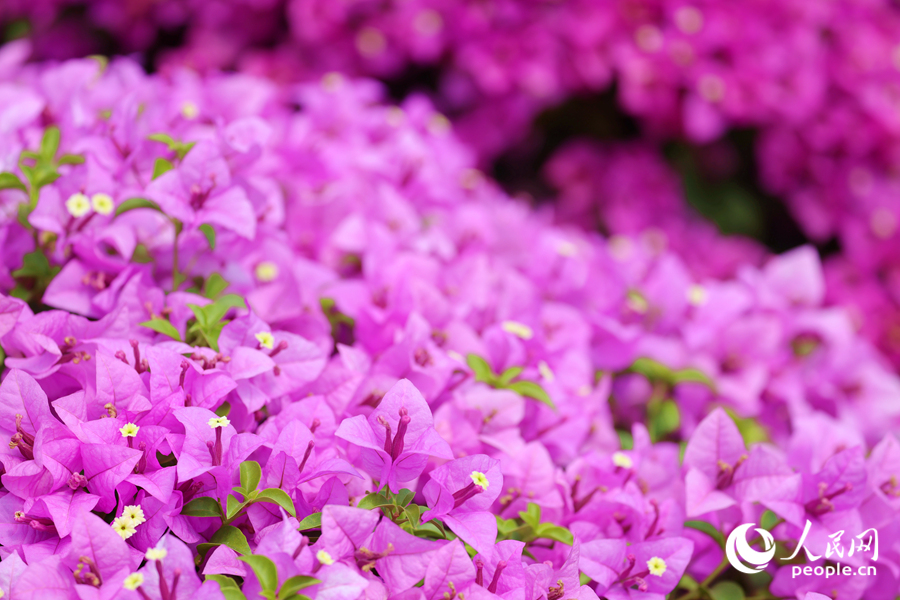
176,276
701,588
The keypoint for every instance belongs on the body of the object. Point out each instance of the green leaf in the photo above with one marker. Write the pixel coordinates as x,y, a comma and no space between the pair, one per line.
251,473
652,370
10,181
200,315
34,264
23,211
341,324
210,234
224,581
215,284
709,530
133,203
165,138
506,526
279,497
160,166
480,367
50,143
768,520
510,374
70,159
692,376
233,594
531,515
231,536
530,389
750,429
228,301
688,583
726,590
265,570
223,409
164,327
664,419
178,147
313,521
202,507
294,584
626,440
45,175
555,532
374,501
404,497
233,506
228,587
413,514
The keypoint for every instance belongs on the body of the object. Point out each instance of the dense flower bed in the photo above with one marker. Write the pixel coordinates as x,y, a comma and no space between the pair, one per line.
820,82
261,339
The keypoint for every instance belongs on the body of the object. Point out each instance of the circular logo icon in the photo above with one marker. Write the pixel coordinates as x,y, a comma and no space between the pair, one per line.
739,551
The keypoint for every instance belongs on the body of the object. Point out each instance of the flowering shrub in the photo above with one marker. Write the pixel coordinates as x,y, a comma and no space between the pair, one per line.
265,340
819,81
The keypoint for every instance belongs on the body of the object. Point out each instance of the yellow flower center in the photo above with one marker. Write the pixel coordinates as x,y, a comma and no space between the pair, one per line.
324,558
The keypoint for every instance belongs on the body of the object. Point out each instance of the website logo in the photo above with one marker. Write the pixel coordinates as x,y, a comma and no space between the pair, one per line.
740,554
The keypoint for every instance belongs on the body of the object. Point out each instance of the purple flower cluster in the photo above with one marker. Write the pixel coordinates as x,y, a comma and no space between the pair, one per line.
261,340
628,189
820,81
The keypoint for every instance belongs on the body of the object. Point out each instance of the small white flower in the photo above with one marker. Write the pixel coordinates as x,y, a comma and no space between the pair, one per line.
102,203
620,459
133,581
124,526
545,371
657,566
370,42
219,422
480,479
697,295
324,558
135,513
520,330
189,110
266,271
129,430
566,248
265,339
78,205
156,553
